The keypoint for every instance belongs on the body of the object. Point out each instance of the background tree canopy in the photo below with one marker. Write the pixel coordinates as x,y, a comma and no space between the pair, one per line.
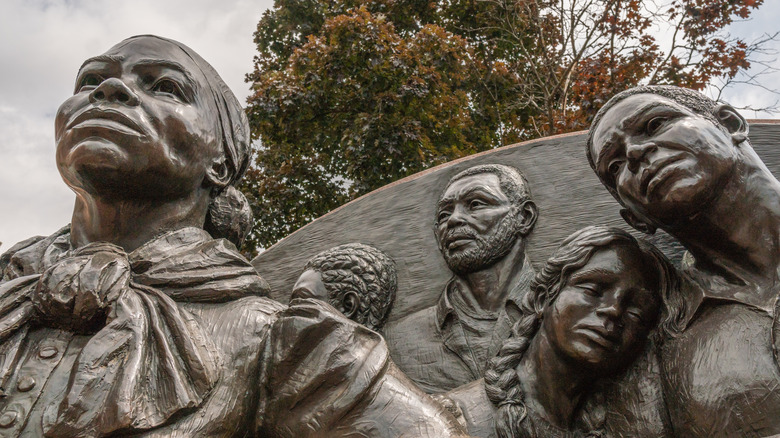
351,95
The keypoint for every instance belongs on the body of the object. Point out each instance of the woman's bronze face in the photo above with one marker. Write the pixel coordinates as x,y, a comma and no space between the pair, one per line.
141,124
604,312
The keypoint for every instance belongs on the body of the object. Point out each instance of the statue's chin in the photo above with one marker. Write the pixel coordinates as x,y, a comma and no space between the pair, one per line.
96,152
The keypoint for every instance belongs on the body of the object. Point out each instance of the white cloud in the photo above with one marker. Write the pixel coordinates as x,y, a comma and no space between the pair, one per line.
763,22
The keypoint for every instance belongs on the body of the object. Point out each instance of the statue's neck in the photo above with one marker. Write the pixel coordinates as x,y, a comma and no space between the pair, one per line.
739,234
129,223
489,288
553,386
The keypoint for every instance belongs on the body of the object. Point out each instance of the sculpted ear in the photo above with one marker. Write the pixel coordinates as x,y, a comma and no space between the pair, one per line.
637,223
527,215
219,173
733,121
350,303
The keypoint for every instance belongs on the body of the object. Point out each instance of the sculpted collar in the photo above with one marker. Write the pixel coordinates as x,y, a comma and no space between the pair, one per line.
698,287
445,308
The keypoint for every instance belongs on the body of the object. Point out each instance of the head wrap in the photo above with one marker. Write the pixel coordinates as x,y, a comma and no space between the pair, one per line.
232,122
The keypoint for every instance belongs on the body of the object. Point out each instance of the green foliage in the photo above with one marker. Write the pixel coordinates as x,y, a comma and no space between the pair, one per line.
351,95
357,106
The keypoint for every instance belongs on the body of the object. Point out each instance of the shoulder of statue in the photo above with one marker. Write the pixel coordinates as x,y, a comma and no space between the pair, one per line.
27,256
251,308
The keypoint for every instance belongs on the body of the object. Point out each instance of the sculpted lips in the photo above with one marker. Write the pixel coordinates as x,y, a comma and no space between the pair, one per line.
459,237
601,336
657,168
105,118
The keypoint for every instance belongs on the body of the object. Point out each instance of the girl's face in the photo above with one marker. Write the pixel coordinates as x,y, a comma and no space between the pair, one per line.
605,311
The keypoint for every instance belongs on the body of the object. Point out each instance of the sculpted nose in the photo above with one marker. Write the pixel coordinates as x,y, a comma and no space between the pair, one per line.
114,90
457,217
611,309
637,153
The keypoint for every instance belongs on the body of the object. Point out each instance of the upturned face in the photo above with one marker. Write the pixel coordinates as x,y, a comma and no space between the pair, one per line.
476,223
603,314
141,124
665,162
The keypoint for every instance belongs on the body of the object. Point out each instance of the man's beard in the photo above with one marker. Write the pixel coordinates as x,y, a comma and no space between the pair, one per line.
489,249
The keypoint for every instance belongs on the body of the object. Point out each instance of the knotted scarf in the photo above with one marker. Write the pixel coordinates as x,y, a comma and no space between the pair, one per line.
148,358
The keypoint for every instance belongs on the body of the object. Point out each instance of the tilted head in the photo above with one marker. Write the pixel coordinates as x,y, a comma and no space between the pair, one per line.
481,214
595,301
665,152
357,279
599,295
151,120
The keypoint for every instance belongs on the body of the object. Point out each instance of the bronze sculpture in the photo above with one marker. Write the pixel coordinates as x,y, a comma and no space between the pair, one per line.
135,321
139,320
359,280
482,219
679,161
587,315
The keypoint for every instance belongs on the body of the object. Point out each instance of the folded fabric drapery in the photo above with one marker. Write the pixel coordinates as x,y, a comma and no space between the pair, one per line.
148,358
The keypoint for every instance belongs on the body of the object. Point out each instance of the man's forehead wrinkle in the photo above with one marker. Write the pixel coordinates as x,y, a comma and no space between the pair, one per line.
449,198
463,192
110,59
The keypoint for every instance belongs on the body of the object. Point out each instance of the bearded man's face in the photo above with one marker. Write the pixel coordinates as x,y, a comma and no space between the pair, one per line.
477,224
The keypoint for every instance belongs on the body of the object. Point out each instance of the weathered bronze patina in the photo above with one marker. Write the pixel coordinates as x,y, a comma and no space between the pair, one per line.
141,318
587,316
681,162
359,280
482,219
135,321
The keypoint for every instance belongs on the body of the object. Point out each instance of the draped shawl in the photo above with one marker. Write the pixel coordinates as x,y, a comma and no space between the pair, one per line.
152,358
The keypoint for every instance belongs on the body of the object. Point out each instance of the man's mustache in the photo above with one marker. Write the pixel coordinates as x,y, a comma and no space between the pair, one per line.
463,232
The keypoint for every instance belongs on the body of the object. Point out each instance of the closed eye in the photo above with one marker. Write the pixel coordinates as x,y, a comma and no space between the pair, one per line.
636,315
591,289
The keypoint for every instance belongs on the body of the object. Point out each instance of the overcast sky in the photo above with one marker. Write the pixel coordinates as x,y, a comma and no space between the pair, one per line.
43,43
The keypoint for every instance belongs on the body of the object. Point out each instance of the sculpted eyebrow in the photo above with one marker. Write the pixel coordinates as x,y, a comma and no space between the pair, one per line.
444,202
449,200
592,274
606,149
108,59
482,190
638,114
167,64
